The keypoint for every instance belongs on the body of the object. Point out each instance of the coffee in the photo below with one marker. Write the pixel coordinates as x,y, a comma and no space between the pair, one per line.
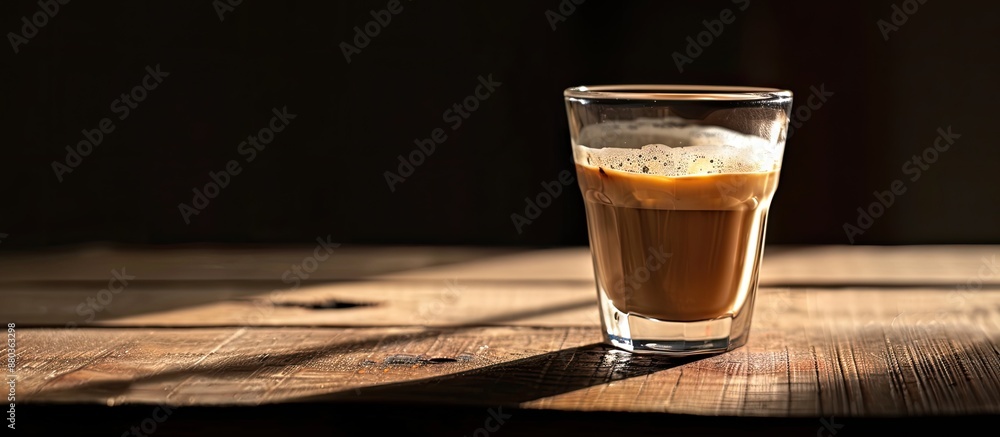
677,248
677,181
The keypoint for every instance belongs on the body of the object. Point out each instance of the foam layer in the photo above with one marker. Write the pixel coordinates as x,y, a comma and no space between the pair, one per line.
672,147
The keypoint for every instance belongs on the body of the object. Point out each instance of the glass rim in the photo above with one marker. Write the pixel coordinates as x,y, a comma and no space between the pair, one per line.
674,92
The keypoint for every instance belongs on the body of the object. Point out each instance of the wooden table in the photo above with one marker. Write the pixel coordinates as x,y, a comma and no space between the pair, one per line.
439,340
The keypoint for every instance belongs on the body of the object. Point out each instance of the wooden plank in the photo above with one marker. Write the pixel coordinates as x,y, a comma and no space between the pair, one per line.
413,303
222,263
783,265
938,265
410,303
843,353
385,303
795,266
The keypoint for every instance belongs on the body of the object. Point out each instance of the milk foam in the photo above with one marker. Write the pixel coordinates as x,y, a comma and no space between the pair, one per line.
673,147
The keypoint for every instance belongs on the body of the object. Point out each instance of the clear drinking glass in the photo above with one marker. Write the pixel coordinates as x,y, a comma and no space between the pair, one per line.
677,181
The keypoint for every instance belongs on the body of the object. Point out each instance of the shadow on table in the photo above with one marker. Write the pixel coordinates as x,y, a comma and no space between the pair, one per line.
513,382
249,367
507,383
39,297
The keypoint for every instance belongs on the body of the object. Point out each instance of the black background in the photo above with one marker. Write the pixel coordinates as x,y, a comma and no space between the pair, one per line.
325,173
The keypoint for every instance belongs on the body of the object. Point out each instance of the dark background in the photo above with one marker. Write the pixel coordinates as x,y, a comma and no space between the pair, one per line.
325,173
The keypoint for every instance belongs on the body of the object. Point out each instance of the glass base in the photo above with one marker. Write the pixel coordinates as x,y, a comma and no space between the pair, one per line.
640,334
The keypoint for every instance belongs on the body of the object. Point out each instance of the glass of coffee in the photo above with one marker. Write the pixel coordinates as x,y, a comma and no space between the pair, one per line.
677,181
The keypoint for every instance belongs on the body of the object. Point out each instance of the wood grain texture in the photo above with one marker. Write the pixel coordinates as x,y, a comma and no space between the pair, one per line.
406,286
216,263
813,352
383,303
859,332
441,304
939,265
